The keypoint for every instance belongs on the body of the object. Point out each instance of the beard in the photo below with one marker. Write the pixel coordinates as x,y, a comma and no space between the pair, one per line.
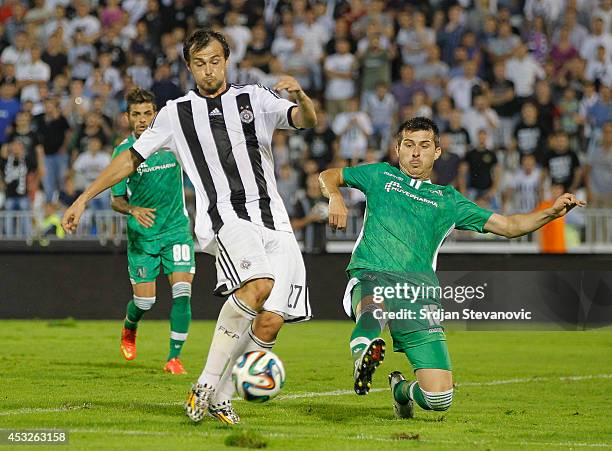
213,88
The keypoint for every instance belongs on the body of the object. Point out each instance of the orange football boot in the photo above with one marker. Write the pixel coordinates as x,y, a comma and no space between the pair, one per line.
128,343
174,366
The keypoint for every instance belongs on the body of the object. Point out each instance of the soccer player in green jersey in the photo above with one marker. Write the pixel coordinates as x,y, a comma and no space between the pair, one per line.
407,218
158,234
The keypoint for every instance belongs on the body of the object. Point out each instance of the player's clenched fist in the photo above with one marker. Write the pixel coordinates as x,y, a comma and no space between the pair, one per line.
565,203
72,216
338,212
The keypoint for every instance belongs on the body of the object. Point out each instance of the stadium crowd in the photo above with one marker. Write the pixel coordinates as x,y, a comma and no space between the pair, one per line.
520,90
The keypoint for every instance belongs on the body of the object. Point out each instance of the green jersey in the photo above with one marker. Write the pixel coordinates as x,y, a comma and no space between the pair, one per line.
157,183
406,220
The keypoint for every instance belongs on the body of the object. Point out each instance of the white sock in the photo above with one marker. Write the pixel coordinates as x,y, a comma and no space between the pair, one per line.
249,342
234,320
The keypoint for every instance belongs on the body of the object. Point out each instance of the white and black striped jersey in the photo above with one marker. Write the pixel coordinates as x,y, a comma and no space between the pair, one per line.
224,146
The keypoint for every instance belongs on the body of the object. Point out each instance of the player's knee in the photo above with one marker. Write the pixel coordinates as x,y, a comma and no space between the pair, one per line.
257,291
144,303
439,401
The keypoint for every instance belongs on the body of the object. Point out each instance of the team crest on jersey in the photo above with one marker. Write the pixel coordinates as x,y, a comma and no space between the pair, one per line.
246,116
245,264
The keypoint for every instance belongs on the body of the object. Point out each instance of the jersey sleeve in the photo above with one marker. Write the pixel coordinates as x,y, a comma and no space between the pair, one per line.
276,111
157,136
360,177
120,189
468,215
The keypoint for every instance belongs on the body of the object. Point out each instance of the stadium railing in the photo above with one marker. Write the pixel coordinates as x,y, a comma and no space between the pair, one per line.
592,232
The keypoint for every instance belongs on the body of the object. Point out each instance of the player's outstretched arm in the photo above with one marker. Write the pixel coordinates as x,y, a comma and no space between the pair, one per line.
119,168
330,181
517,225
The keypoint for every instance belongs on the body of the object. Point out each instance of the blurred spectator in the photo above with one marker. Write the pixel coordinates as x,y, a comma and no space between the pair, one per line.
600,69
33,75
375,64
287,184
537,40
81,56
547,110
414,38
297,64
458,134
504,45
577,32
14,168
480,173
237,34
259,48
163,87
84,21
382,109
598,169
563,50
18,52
55,132
322,142
529,135
446,167
481,117
24,132
450,36
340,70
525,187
93,128
503,101
549,9
462,88
601,111
353,127
140,72
434,73
284,42
404,89
9,107
523,70
598,37
88,166
310,213
561,164
569,119
55,56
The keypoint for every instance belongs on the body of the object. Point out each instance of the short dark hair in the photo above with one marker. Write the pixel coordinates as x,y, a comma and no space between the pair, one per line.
416,124
137,96
200,39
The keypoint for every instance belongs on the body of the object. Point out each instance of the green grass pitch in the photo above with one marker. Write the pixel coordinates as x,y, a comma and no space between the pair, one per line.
515,390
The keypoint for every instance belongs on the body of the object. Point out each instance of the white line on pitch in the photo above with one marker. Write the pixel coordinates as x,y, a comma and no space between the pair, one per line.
29,410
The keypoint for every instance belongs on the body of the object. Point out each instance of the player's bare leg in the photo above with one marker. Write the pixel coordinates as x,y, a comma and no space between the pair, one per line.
261,337
180,317
433,390
236,315
144,298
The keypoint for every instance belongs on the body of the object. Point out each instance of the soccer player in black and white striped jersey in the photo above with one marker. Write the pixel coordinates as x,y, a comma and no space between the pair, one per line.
221,135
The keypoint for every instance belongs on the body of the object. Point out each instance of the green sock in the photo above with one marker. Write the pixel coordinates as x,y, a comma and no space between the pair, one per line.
132,316
366,329
180,317
401,393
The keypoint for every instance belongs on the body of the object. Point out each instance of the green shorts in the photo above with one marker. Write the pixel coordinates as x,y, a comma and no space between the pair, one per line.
174,251
421,339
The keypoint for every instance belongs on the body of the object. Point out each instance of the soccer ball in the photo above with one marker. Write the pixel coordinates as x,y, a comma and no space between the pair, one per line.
258,376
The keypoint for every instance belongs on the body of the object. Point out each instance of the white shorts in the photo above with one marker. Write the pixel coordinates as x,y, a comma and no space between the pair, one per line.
248,251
